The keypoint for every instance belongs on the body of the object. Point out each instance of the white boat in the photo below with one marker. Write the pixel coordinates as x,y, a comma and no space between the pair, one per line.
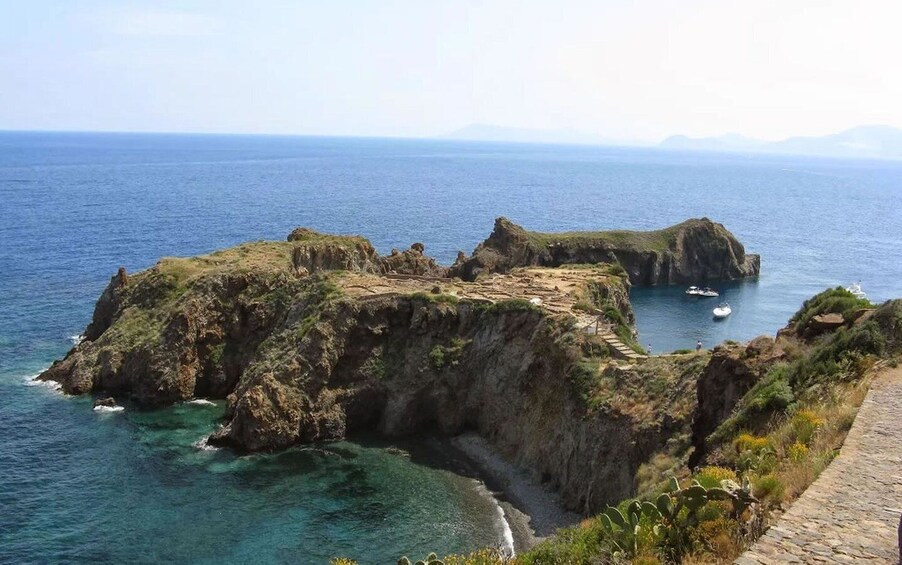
708,292
855,288
722,311
693,290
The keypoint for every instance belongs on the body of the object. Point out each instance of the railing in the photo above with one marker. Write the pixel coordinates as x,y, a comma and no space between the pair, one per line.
600,325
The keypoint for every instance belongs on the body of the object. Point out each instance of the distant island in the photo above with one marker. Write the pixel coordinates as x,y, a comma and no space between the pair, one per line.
861,142
868,142
487,132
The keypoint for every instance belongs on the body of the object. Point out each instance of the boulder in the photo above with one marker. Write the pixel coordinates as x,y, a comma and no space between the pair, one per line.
825,323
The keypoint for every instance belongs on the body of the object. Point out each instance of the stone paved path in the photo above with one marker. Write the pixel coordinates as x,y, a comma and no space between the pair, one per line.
851,512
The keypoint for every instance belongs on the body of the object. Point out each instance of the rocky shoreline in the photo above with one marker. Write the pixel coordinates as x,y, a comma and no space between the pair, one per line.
533,511
318,337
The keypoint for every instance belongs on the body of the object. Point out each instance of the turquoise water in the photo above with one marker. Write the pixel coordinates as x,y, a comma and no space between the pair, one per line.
134,486
80,486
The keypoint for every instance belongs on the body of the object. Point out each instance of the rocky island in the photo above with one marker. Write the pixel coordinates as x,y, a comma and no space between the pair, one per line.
529,342
318,336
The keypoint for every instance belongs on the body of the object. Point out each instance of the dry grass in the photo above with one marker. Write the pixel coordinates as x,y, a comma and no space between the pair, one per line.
268,256
803,444
657,240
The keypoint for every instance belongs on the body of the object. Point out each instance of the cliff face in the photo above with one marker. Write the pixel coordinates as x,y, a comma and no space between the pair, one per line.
307,354
731,373
691,252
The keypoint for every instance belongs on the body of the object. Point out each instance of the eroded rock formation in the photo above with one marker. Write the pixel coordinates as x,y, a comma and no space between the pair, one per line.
690,252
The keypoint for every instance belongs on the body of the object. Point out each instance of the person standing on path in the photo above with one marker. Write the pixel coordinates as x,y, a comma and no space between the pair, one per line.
698,345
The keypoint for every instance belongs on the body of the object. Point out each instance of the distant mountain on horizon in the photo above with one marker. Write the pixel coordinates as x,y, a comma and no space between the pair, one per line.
488,132
863,142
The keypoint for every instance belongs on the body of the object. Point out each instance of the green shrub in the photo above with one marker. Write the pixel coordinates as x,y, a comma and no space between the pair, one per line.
710,477
614,316
374,366
617,270
839,357
804,424
772,394
584,376
216,353
437,357
768,487
512,305
442,356
832,301
797,452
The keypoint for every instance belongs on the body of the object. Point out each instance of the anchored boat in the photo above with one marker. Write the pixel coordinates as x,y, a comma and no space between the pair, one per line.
706,292
855,288
722,311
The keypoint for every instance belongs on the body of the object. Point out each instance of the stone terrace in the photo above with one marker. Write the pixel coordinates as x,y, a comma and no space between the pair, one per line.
556,288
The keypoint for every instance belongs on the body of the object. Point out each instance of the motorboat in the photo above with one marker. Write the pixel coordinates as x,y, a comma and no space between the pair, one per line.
704,292
855,288
708,293
722,311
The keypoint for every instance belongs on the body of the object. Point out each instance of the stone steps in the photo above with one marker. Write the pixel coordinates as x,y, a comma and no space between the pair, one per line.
620,348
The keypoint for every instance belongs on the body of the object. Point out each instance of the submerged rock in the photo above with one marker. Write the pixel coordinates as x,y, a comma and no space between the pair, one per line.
109,402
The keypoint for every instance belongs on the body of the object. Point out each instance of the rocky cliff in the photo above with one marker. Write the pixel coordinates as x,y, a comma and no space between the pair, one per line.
318,337
693,251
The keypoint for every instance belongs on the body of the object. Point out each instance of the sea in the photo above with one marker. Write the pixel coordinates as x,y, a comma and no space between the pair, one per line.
141,486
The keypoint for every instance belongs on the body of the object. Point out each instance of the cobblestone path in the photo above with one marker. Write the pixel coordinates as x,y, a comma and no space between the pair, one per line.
851,512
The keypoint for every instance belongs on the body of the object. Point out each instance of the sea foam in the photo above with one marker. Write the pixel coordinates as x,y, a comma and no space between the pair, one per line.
203,445
506,531
108,408
201,402
32,380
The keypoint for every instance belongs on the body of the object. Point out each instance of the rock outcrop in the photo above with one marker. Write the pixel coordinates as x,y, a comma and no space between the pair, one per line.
413,261
690,252
732,371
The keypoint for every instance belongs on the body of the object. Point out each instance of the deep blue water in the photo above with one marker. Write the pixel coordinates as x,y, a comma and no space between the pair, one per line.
131,486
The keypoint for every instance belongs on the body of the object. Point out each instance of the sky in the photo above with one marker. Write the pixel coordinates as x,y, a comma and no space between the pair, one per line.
627,70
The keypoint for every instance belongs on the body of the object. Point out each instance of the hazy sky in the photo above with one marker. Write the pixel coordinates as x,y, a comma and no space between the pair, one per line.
619,69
